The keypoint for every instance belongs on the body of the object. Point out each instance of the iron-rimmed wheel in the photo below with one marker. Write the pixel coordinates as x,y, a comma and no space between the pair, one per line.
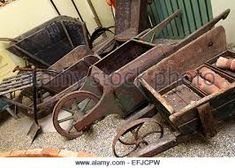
70,109
131,137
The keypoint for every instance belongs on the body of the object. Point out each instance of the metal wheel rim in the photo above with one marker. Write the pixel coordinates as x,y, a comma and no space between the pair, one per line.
134,124
57,109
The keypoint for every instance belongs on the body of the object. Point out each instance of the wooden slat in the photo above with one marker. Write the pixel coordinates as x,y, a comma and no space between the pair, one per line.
157,18
12,84
19,77
161,16
152,15
15,89
184,17
16,78
190,15
173,24
209,9
203,11
197,15
166,14
178,20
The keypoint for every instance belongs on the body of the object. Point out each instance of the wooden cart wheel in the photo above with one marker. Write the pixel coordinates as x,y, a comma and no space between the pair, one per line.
70,109
136,134
26,98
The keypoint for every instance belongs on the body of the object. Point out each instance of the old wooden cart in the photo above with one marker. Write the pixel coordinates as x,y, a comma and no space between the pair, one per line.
110,88
186,108
52,83
46,44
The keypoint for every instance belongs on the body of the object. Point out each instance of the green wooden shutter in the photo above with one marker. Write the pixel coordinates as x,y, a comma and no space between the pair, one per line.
195,13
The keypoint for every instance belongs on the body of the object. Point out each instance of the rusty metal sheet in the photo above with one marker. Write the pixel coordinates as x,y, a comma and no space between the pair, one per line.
72,57
130,18
71,75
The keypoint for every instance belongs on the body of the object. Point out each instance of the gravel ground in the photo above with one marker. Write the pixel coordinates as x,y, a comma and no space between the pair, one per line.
98,140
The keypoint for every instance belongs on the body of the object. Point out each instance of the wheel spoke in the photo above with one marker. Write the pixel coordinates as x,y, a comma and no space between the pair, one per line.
126,143
136,133
83,109
66,119
70,127
69,111
152,132
74,105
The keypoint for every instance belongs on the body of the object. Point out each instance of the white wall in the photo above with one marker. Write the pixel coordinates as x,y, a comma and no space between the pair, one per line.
220,5
22,15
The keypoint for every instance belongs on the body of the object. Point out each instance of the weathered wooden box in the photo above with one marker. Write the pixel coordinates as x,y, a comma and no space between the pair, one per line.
187,108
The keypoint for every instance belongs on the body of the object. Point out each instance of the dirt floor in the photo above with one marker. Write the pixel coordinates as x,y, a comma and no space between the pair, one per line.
98,141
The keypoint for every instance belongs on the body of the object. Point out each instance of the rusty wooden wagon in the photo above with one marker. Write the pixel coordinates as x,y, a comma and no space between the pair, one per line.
187,109
109,87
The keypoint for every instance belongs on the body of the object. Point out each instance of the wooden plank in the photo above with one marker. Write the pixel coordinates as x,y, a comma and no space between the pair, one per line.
18,86
161,16
209,9
173,24
17,76
156,16
15,89
166,14
197,15
150,15
194,15
178,20
203,11
19,82
184,17
16,103
190,15
20,77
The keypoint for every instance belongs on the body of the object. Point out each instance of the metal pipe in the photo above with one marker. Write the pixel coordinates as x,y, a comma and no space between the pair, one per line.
76,8
54,5
35,94
8,39
97,19
67,34
80,16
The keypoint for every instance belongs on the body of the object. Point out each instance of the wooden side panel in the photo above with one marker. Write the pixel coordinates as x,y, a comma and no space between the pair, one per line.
189,57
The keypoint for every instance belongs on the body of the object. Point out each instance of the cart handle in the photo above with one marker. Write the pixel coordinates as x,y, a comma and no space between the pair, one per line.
5,39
